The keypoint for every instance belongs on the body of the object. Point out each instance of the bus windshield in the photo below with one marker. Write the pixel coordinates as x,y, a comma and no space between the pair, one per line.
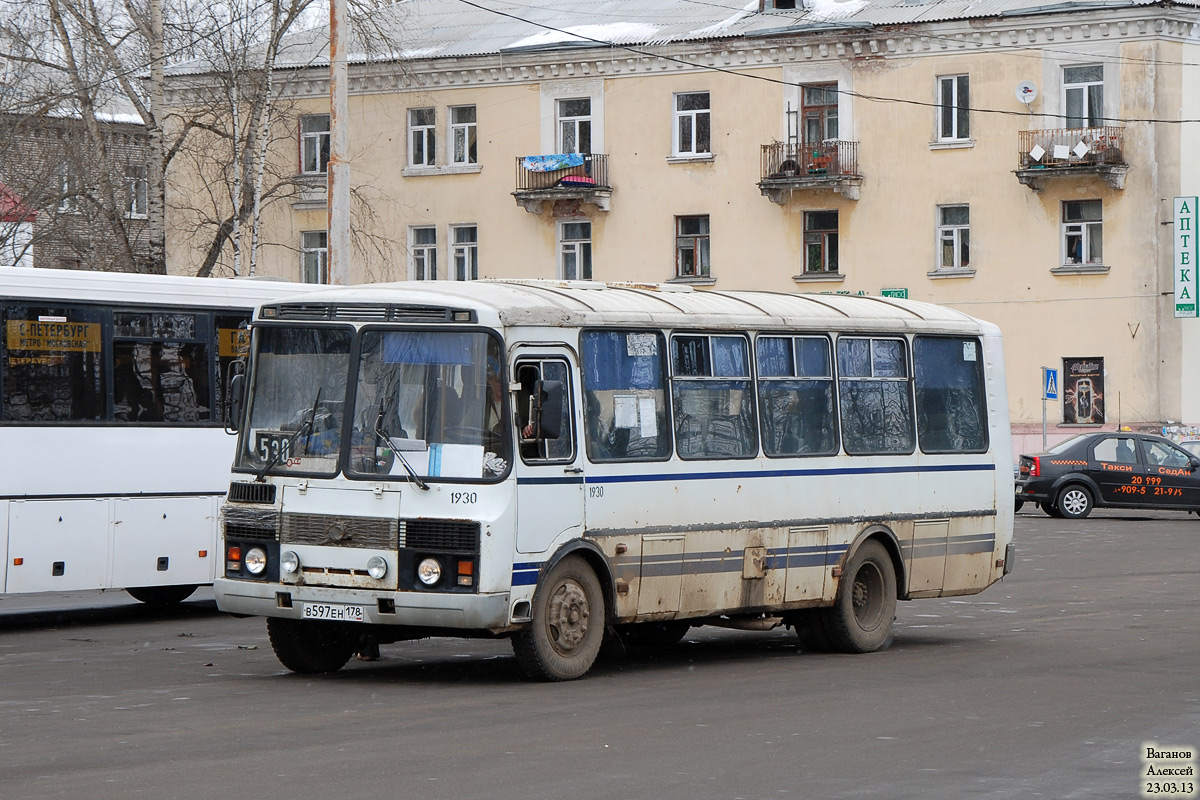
432,400
295,420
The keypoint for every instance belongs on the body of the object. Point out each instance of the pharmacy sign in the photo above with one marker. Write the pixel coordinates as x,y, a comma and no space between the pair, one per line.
1186,284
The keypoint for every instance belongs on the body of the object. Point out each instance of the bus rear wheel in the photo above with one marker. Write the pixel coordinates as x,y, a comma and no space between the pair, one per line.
161,595
311,647
563,639
860,620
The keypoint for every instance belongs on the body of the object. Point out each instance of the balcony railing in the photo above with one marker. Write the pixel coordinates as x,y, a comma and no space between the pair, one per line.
562,176
1071,151
787,167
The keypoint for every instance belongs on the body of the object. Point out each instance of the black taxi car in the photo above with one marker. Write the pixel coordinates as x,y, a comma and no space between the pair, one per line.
1115,469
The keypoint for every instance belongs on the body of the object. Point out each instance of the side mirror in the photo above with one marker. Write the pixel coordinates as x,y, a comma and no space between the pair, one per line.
547,409
237,402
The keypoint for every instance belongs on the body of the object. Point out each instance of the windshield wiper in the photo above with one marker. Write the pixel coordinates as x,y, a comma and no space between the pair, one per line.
381,431
286,447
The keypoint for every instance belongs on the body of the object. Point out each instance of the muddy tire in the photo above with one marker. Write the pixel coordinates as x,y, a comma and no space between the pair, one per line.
1074,502
654,634
161,595
860,620
312,647
563,639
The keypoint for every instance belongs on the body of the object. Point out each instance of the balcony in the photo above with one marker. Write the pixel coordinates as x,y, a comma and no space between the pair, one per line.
562,178
1070,153
791,167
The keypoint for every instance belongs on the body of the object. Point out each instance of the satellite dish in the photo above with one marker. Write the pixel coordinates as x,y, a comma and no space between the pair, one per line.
1026,92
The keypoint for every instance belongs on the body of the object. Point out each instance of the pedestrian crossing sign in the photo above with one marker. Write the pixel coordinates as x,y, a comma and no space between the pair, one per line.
1049,383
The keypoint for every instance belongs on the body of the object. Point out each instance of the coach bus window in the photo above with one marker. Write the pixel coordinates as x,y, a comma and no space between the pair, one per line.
713,401
876,407
53,365
795,396
161,369
625,399
233,342
951,409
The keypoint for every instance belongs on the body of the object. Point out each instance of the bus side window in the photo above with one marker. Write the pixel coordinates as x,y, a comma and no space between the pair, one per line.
625,399
951,402
562,447
52,362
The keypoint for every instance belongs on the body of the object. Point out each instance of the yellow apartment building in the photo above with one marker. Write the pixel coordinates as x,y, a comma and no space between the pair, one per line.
1012,159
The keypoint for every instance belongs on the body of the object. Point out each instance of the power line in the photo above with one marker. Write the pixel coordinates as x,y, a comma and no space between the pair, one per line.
839,90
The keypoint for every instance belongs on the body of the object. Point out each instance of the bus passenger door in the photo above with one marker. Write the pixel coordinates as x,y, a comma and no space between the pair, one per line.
549,470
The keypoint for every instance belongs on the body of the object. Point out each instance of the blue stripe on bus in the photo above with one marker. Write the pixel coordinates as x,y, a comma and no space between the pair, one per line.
776,473
526,573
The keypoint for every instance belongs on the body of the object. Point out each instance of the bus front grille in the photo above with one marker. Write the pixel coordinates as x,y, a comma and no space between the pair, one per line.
262,526
242,492
331,530
440,535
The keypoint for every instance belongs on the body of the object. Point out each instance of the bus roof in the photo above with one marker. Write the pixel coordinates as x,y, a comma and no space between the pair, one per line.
586,303
138,289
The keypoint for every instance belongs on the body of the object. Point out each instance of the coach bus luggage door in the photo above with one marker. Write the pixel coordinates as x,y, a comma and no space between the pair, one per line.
549,465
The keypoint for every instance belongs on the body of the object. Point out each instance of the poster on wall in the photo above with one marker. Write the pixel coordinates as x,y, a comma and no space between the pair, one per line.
1083,391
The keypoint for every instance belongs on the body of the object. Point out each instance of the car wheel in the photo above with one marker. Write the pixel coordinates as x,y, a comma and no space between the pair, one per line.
1074,502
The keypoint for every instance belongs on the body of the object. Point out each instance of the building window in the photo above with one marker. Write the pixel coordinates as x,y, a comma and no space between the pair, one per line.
575,251
314,257
466,252
954,102
575,125
1083,234
954,237
314,144
69,200
424,253
691,247
421,137
692,124
1084,90
820,241
137,191
819,110
463,136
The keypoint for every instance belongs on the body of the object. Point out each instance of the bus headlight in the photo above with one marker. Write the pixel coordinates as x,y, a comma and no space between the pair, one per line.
255,561
376,567
429,571
289,562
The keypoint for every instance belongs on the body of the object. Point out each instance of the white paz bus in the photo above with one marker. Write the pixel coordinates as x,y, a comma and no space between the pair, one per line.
549,461
111,408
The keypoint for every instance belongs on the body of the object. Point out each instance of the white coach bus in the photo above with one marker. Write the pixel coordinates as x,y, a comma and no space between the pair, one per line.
549,461
115,457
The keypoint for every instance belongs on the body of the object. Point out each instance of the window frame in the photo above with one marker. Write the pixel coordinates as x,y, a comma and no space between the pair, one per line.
1090,234
1090,117
464,254
980,390
591,415
580,125
525,447
320,141
321,254
827,241
581,249
906,379
469,134
957,236
692,119
422,256
698,244
824,114
137,192
954,112
424,136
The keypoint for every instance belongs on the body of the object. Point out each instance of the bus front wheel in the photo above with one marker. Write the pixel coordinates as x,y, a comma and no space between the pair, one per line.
311,647
860,620
564,636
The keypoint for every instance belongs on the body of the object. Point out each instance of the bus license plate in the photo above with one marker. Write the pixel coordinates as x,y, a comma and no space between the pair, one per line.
334,612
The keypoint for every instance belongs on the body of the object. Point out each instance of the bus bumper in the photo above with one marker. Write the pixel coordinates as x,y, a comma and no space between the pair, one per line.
417,609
